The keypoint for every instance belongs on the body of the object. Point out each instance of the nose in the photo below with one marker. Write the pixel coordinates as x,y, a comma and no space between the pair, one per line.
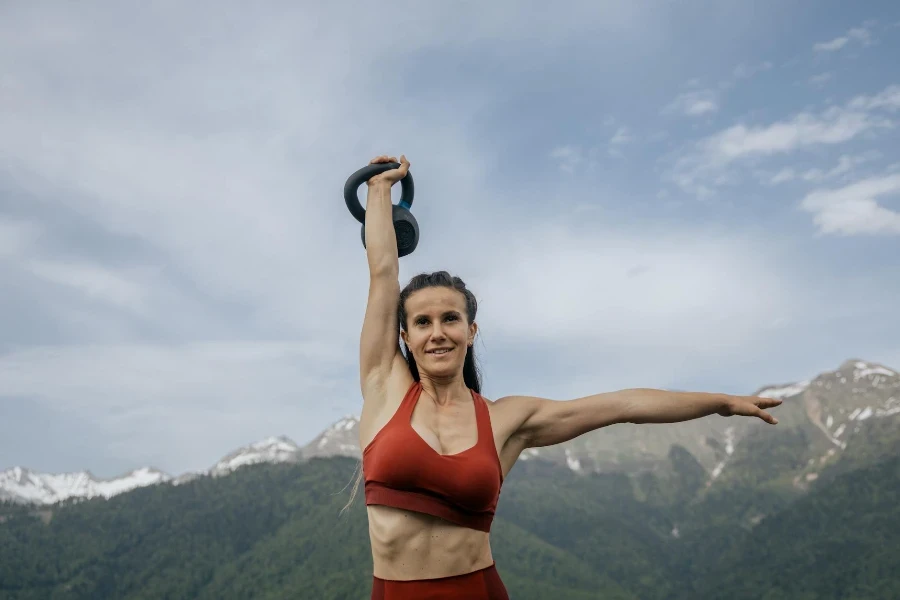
436,332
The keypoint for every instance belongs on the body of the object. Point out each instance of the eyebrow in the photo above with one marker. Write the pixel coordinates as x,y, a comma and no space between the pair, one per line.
444,314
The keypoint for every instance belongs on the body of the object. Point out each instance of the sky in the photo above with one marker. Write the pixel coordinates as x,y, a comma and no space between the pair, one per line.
675,194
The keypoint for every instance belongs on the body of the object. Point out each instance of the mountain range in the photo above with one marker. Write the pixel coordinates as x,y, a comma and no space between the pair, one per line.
828,411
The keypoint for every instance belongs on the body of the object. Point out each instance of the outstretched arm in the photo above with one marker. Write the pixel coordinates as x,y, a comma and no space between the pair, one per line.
543,422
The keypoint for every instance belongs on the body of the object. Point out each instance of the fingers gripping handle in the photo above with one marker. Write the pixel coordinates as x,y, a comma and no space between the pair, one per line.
351,188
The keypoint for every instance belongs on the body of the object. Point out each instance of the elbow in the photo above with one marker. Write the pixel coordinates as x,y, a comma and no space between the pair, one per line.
628,409
384,269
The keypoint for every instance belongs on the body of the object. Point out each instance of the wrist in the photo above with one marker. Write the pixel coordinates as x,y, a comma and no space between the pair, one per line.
722,404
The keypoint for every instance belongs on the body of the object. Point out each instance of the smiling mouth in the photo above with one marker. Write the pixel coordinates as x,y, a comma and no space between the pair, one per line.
440,352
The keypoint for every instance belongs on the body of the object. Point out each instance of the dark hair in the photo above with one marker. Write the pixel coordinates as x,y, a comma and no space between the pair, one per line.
471,372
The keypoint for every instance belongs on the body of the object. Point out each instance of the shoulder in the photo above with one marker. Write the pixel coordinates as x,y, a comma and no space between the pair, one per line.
514,404
509,413
382,397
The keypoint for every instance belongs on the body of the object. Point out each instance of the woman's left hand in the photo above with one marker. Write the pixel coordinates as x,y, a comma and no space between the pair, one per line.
750,406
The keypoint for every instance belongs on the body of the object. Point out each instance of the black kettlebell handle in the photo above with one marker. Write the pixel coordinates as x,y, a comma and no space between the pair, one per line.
351,196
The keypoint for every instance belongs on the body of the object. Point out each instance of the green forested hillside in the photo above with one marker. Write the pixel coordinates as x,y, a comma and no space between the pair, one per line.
274,531
838,542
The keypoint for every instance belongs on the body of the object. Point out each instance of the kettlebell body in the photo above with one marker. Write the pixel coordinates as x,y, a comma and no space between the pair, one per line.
406,229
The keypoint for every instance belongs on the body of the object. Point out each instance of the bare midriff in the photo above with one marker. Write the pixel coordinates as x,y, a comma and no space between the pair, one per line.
408,545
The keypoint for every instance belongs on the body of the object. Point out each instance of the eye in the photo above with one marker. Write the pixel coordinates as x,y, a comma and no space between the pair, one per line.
451,318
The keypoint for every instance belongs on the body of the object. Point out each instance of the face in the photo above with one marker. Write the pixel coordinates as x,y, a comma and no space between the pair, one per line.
437,332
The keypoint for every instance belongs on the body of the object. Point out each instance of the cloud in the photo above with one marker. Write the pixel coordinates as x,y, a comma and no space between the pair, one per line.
744,71
574,158
785,174
693,104
706,165
835,44
93,281
699,102
630,288
888,99
863,35
820,79
16,236
845,166
832,127
621,136
853,209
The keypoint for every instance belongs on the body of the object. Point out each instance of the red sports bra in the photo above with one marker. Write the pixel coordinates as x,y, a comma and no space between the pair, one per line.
403,471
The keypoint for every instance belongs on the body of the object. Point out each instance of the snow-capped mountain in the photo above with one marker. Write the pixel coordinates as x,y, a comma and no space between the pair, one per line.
22,485
836,402
25,486
341,439
270,450
832,406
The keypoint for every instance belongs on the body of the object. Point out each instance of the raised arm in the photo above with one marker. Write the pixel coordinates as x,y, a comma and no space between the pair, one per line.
379,346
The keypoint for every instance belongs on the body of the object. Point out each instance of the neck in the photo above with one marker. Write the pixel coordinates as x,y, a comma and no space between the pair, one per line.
444,392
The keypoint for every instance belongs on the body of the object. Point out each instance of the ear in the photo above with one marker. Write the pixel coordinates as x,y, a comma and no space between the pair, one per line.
473,329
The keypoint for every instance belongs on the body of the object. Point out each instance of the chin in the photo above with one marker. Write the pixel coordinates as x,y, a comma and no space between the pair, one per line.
445,369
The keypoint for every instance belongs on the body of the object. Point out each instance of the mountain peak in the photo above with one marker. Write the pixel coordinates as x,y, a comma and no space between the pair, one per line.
273,449
861,368
340,439
854,369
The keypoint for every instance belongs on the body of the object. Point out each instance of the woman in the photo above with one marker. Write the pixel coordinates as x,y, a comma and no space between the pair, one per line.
435,451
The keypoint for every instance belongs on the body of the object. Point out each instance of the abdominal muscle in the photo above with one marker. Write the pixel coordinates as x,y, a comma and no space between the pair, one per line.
408,545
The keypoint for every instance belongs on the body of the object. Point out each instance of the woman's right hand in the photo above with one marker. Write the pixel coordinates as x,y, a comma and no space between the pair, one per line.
392,176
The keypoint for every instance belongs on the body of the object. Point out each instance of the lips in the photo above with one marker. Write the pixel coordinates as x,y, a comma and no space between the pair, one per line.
439,351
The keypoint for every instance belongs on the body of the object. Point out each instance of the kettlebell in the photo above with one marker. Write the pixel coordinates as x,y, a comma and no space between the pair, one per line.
405,226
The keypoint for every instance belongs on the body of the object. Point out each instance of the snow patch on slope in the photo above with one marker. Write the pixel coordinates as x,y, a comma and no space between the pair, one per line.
865,370
572,462
784,391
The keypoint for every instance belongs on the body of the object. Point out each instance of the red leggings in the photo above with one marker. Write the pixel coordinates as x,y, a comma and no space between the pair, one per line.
484,584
